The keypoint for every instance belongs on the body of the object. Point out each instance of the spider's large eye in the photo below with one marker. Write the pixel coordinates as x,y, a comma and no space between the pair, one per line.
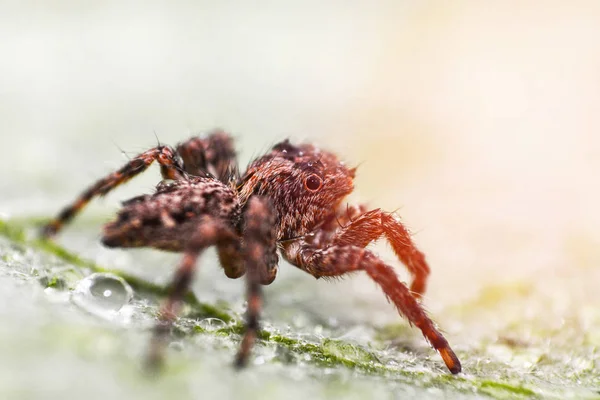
313,183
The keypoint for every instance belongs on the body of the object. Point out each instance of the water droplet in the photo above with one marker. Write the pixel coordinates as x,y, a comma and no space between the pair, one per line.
300,321
212,324
318,330
102,294
177,346
284,354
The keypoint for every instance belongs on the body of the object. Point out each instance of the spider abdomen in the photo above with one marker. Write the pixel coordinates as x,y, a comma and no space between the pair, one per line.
172,212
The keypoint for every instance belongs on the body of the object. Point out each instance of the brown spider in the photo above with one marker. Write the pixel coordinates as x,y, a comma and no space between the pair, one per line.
288,200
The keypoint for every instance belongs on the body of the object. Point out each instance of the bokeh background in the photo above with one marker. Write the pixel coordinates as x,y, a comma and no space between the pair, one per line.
477,121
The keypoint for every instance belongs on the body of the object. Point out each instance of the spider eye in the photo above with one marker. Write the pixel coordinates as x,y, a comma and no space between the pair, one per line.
313,183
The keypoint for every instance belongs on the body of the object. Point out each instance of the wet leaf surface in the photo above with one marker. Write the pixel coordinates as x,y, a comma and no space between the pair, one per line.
45,319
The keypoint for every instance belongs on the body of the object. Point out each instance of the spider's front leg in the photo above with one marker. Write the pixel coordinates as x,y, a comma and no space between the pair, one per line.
360,230
337,260
170,168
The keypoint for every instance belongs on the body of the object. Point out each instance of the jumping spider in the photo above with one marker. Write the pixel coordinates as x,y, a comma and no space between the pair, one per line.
288,200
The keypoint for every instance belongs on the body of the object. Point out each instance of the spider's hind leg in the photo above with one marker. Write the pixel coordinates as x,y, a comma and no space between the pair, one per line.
170,168
214,154
209,231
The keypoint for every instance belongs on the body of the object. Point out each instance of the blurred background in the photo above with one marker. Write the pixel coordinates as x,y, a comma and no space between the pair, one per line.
476,121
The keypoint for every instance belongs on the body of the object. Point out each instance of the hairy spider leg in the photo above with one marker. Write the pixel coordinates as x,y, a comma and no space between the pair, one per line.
370,226
214,154
261,264
209,231
169,168
260,229
337,260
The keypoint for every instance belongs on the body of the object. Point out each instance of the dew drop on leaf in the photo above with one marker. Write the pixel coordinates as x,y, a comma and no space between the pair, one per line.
212,324
102,294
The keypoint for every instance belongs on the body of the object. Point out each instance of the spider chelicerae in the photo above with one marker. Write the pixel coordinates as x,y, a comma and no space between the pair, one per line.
289,200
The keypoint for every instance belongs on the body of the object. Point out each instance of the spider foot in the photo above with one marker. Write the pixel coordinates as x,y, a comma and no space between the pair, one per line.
49,230
451,360
241,361
154,362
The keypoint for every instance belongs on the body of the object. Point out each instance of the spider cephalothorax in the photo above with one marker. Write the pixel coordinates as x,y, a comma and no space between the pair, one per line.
305,185
289,200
